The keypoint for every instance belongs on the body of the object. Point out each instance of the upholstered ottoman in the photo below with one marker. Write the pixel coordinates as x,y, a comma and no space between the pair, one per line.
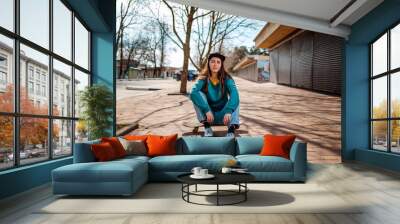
118,177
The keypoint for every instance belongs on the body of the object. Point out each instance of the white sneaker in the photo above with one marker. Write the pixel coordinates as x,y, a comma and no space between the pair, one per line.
208,132
230,134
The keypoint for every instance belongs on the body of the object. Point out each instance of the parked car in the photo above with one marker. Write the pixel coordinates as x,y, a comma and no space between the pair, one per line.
25,154
177,76
192,75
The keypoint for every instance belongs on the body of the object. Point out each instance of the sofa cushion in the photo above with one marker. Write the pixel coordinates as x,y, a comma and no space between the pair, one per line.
206,145
277,145
159,145
112,171
249,145
83,152
103,152
136,137
185,163
116,145
134,147
257,163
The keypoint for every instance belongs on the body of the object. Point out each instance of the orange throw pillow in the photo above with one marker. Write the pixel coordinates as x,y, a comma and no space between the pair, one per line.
135,137
103,152
277,145
161,145
116,145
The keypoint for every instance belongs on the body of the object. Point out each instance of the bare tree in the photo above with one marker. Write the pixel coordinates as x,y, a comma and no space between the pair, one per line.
127,13
187,15
213,31
136,51
157,33
164,31
237,54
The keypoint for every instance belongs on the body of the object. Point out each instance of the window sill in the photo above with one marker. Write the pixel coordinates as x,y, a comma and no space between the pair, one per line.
382,159
30,166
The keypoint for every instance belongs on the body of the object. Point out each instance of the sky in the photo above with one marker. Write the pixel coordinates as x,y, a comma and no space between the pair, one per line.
176,57
379,62
34,25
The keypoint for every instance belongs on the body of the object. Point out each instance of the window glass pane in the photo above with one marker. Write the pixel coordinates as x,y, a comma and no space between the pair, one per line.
81,131
81,81
6,74
395,47
395,95
62,89
379,55
35,21
7,14
33,139
81,45
6,142
62,29
395,136
379,100
62,138
379,135
34,74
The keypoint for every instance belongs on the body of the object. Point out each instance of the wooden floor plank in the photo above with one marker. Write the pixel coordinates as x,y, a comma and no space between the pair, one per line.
376,190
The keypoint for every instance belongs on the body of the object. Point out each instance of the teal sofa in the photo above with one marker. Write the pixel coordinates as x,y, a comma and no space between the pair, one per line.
125,176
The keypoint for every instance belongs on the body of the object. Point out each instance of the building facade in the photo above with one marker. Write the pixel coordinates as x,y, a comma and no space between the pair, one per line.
34,82
302,58
254,68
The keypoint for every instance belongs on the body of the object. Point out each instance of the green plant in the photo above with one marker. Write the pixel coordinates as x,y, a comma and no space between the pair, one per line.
96,102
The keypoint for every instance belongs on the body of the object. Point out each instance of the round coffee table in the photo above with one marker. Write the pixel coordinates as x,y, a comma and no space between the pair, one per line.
238,179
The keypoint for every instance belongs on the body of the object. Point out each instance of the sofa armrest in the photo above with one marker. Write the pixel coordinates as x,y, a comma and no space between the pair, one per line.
298,155
83,152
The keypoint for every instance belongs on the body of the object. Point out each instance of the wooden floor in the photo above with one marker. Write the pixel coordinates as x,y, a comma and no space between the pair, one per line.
378,189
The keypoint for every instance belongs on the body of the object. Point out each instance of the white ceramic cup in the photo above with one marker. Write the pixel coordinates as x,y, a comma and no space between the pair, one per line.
196,170
203,172
226,170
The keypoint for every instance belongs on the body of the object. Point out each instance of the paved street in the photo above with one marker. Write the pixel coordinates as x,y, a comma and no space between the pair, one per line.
264,108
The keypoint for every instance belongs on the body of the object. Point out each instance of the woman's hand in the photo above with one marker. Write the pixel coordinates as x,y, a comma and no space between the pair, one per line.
227,119
210,117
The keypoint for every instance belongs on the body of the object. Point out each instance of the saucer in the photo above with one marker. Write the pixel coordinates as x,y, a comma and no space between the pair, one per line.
240,171
208,176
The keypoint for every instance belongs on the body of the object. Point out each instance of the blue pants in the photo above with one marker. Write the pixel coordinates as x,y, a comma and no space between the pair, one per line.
218,115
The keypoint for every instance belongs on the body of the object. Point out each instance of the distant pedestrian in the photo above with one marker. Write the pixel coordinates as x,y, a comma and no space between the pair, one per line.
215,97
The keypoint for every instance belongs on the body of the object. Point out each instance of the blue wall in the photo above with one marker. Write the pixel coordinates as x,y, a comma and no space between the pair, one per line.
24,178
100,17
103,54
355,117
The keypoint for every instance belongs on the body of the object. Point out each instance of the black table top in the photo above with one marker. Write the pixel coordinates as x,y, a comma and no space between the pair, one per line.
220,178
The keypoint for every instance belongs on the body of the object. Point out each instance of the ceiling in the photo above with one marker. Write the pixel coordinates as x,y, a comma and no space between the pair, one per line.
326,16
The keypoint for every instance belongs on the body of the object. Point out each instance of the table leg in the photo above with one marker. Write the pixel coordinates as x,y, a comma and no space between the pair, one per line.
217,194
196,188
188,190
245,193
182,188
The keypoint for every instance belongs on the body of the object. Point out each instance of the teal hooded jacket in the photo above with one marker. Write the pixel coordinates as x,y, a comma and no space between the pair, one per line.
216,99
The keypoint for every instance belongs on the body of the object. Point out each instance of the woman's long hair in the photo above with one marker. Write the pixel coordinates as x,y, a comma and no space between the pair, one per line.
223,75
